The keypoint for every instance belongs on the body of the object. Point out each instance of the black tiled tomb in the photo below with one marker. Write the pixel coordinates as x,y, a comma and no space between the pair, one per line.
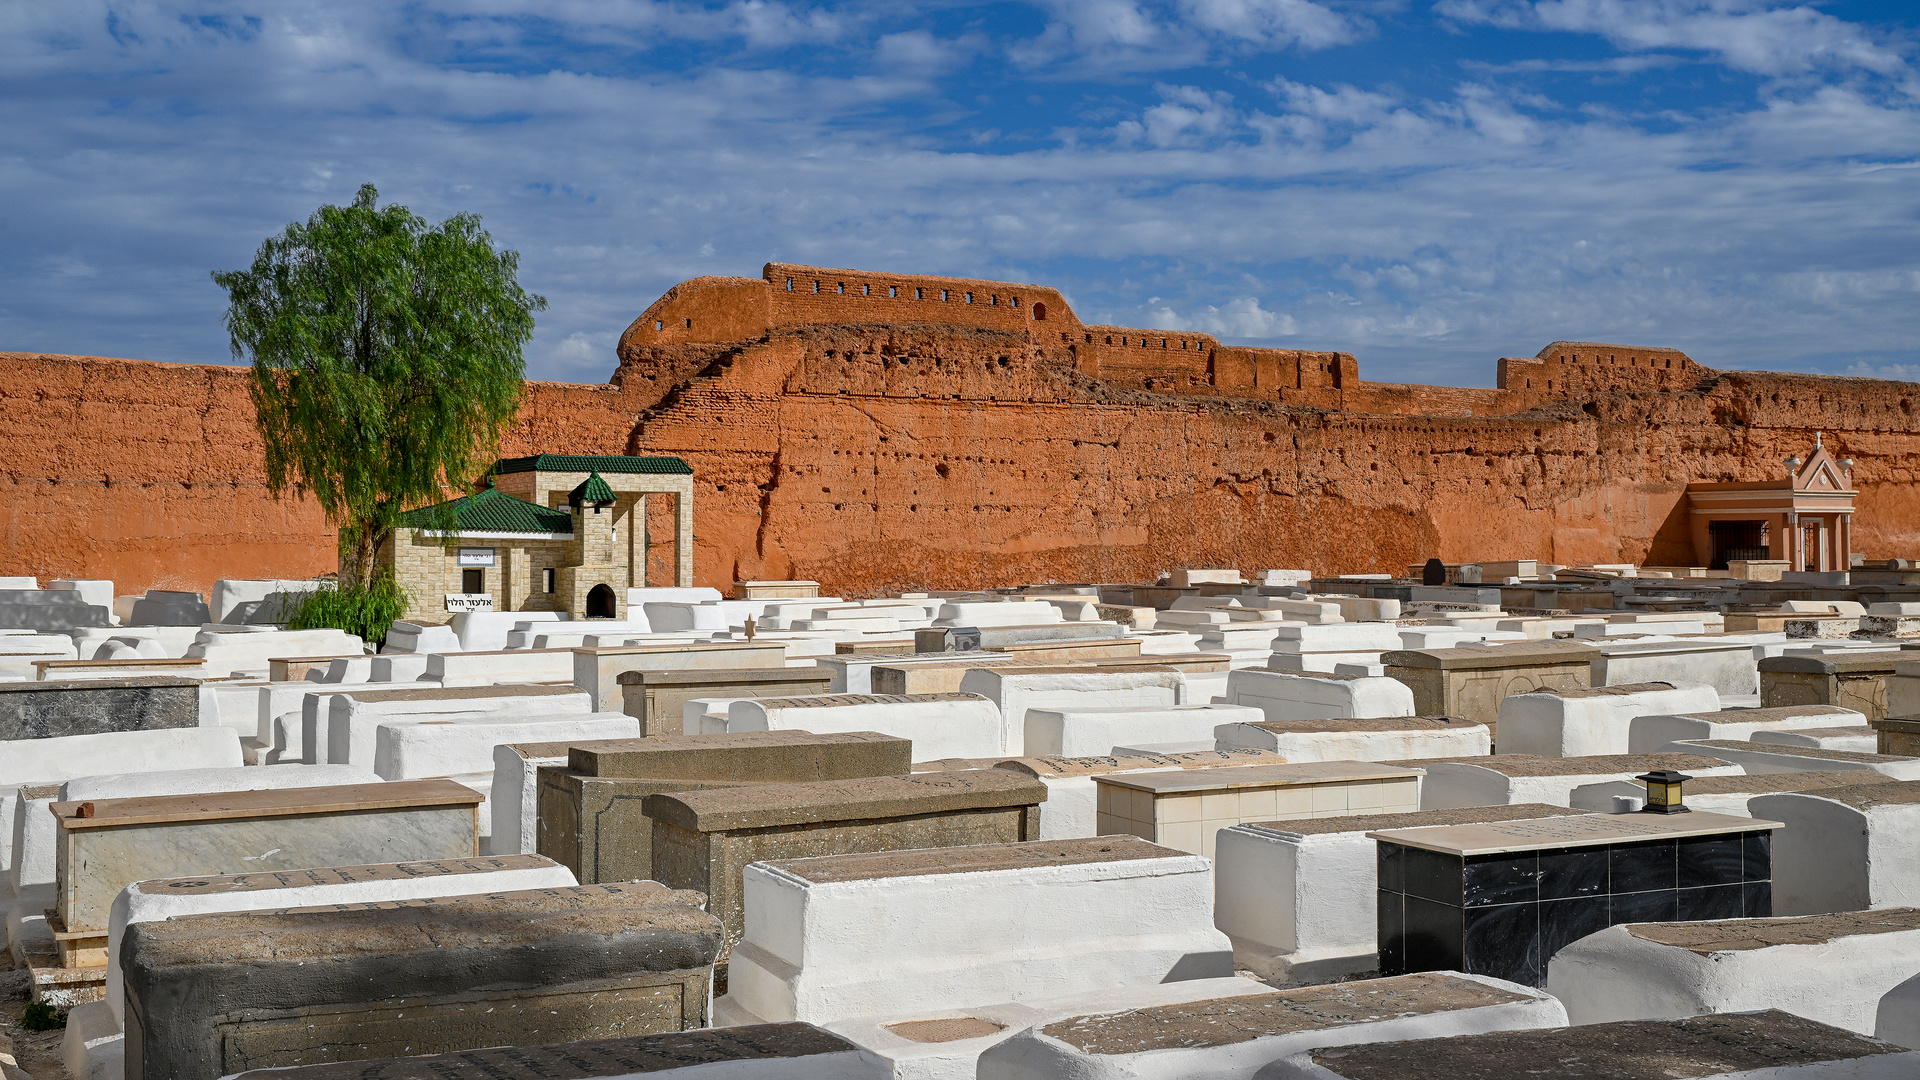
1506,914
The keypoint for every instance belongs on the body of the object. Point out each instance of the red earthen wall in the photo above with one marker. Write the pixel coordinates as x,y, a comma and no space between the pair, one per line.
871,456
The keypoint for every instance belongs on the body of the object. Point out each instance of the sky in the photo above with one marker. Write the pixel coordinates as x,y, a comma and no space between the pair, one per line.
1429,184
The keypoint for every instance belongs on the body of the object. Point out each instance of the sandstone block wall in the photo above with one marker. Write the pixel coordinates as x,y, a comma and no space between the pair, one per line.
966,444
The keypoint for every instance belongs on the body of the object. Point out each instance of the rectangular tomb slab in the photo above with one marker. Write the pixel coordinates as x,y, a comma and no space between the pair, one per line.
1770,1045
1187,809
45,710
704,840
1471,683
1833,968
1377,739
1108,912
1758,757
1234,1036
749,1052
106,845
659,698
1297,896
1500,898
589,812
212,995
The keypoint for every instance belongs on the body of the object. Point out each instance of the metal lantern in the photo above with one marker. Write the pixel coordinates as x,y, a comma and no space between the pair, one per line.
1663,791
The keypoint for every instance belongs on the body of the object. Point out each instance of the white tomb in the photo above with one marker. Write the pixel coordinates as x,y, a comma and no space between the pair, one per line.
1759,757
1846,848
1585,722
1716,794
1297,896
1232,1038
940,725
1016,690
1319,696
1380,739
1830,968
1728,666
1075,732
1504,779
1647,734
1858,739
416,747
860,935
352,719
946,1044
1071,811
1187,809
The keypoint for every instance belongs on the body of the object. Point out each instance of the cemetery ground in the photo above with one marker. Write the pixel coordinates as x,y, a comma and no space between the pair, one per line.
1221,824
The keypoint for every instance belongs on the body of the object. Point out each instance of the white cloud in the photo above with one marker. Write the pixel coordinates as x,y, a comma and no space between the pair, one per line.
1239,319
1760,36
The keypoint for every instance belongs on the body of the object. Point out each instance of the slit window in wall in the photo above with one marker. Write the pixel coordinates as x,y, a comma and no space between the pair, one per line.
546,580
993,301
659,325
919,294
841,288
1163,343
816,285
789,284
866,290
689,324
893,290
1013,301
969,298
946,294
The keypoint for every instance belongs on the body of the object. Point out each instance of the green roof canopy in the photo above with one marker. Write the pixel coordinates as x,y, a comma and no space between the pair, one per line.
591,490
613,463
491,510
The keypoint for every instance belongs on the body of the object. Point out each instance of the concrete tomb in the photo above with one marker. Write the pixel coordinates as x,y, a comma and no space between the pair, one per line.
1501,898
500,666
1185,809
703,840
1298,896
1858,739
1845,848
415,747
1318,696
51,611
1728,667
903,931
941,677
1719,794
1500,779
1759,757
353,719
598,670
1470,683
1385,739
591,817
1015,690
1767,1045
1852,680
1084,732
514,799
756,1052
104,845
1072,810
1588,722
1832,968
854,674
946,1044
212,995
939,725
1232,1037
659,698
1647,734
1320,647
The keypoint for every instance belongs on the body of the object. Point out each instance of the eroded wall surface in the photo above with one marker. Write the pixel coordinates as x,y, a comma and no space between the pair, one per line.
972,451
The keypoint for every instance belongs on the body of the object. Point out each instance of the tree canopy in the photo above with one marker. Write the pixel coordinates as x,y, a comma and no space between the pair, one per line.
386,360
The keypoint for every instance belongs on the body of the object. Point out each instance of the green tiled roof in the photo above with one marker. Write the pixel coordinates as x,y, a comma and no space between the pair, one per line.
591,490
493,511
588,463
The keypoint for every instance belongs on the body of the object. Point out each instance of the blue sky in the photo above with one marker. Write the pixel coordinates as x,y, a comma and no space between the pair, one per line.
1429,185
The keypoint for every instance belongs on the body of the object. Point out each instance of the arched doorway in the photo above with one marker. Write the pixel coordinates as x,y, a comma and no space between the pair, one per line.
1039,313
600,603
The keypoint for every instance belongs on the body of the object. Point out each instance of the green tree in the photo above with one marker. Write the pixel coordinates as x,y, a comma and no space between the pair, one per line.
386,360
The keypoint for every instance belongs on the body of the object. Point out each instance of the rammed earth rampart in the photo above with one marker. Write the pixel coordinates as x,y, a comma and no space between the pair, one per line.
871,435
